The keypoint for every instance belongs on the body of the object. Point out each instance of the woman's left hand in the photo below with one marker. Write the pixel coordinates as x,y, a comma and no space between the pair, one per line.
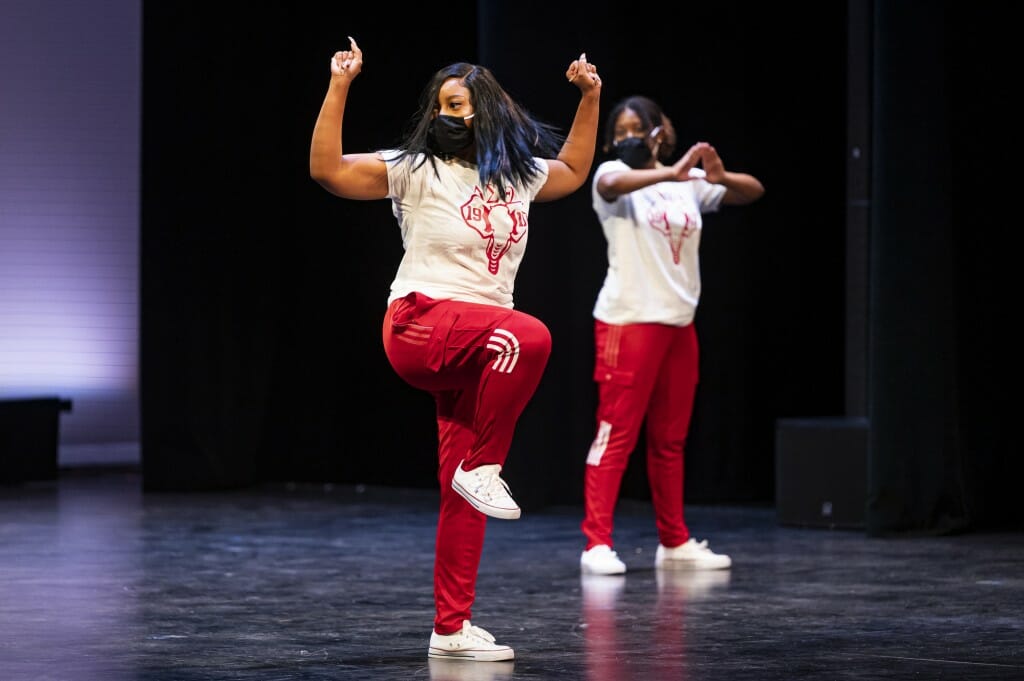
583,75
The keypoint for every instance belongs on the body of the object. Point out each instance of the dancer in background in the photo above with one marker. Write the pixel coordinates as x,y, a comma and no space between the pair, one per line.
646,344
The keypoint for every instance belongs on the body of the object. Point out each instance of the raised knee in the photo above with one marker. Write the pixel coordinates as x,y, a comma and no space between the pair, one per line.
536,342
529,336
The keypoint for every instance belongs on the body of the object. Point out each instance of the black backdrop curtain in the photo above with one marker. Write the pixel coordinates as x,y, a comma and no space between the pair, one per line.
262,295
942,457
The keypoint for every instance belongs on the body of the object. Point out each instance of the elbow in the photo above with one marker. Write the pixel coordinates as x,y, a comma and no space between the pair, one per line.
578,183
604,188
322,179
319,175
751,193
608,191
321,167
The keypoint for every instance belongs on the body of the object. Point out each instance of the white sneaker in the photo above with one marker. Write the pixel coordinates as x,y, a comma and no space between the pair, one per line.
486,491
469,643
692,555
601,560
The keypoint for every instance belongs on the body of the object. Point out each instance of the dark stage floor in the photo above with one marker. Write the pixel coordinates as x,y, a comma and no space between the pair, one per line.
101,582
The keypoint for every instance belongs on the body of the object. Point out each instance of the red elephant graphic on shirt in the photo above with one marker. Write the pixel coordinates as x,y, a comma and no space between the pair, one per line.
500,222
667,218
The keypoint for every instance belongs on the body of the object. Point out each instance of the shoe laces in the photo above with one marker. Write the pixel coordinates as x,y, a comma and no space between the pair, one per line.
489,482
469,629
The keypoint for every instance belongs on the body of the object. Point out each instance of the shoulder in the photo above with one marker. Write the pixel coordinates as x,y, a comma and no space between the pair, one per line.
543,170
614,165
401,163
395,156
610,165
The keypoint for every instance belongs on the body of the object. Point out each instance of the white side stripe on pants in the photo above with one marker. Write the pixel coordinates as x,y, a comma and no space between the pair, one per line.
507,346
599,444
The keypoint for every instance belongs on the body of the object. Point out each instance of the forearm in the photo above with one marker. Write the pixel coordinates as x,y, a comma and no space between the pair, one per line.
741,188
614,184
577,151
325,149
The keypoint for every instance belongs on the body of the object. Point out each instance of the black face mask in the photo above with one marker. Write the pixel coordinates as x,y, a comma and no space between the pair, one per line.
633,151
450,134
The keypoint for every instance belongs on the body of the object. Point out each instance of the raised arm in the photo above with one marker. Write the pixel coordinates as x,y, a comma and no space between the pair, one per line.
351,176
569,171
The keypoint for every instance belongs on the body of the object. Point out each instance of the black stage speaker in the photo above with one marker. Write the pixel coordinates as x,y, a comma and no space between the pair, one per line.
821,472
29,434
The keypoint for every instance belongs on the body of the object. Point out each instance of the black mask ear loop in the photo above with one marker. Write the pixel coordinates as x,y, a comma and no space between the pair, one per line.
655,135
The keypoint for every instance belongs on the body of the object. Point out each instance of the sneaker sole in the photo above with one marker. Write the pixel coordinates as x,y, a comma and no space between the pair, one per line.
470,670
591,571
472,655
493,511
688,565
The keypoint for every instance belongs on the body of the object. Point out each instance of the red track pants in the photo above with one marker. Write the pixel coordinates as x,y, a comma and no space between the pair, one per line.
642,370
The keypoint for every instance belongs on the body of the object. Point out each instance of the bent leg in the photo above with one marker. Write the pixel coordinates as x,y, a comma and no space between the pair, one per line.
492,356
520,347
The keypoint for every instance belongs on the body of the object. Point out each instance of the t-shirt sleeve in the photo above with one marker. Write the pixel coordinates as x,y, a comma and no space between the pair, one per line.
601,207
540,179
401,184
404,185
708,195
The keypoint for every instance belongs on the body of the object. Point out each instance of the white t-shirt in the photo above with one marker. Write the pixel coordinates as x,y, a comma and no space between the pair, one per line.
462,241
653,239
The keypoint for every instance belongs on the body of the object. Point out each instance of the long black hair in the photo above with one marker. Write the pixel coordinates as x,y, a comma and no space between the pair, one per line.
651,115
507,135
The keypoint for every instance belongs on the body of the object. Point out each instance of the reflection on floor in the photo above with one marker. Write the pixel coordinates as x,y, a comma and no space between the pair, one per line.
100,582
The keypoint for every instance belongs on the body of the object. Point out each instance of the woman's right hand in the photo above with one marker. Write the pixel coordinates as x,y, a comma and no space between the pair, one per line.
347,63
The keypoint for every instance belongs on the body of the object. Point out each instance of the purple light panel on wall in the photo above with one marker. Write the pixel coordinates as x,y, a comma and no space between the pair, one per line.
69,210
